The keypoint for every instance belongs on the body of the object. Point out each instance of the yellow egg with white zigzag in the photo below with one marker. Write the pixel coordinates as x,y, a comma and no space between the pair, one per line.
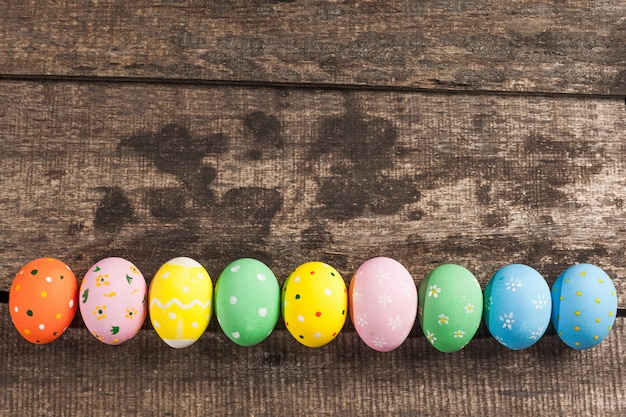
180,301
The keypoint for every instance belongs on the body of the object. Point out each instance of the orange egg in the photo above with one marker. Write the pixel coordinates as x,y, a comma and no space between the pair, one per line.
43,300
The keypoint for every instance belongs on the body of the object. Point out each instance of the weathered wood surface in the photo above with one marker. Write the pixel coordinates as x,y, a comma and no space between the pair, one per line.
157,129
554,47
290,175
80,376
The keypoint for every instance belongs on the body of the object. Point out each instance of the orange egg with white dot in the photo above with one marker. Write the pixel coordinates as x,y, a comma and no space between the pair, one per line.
314,303
43,299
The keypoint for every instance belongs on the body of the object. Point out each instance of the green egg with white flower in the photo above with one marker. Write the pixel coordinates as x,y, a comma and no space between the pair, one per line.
247,301
450,307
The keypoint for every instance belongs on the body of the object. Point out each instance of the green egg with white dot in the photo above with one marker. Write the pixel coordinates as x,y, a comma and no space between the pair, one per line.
247,301
584,303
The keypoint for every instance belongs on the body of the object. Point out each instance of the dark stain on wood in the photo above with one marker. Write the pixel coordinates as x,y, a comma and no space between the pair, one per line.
254,206
266,130
539,178
174,150
76,228
114,210
167,204
363,147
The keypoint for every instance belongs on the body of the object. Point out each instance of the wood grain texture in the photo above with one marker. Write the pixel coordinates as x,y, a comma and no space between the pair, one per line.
292,131
289,175
80,376
524,46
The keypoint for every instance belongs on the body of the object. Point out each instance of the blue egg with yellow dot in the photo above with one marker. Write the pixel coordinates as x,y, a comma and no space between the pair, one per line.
584,305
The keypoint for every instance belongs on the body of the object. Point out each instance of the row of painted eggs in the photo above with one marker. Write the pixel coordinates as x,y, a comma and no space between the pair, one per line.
517,305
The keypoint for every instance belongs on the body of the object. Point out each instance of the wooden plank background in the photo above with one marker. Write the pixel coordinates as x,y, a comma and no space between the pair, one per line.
476,132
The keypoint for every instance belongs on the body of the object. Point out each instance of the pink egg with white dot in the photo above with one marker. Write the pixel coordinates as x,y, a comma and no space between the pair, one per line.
383,303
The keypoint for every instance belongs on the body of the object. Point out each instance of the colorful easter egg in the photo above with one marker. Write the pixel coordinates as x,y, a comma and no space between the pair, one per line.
450,307
383,303
43,299
584,304
112,300
179,300
247,301
517,306
315,302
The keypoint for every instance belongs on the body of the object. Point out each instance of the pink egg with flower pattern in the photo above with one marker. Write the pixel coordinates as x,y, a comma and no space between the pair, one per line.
112,300
383,303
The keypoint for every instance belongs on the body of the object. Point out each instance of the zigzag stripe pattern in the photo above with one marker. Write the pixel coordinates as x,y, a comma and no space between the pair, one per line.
158,303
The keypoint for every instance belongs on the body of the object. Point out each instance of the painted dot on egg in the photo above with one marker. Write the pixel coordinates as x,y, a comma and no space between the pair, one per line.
579,293
71,303
16,309
317,335
41,326
233,299
48,279
166,274
29,313
297,279
156,324
328,292
235,269
34,272
44,294
194,324
236,335
185,289
297,296
260,277
172,316
597,301
301,318
262,311
58,316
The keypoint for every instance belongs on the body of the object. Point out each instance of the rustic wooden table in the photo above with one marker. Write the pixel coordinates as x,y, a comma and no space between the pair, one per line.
475,132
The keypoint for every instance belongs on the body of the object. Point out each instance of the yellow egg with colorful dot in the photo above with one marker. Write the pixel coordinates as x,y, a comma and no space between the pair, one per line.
314,303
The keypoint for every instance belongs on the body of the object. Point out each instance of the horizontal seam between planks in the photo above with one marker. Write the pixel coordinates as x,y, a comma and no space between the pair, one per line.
314,86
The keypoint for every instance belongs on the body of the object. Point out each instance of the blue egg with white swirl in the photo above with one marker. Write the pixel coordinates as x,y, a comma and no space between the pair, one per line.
517,306
585,306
